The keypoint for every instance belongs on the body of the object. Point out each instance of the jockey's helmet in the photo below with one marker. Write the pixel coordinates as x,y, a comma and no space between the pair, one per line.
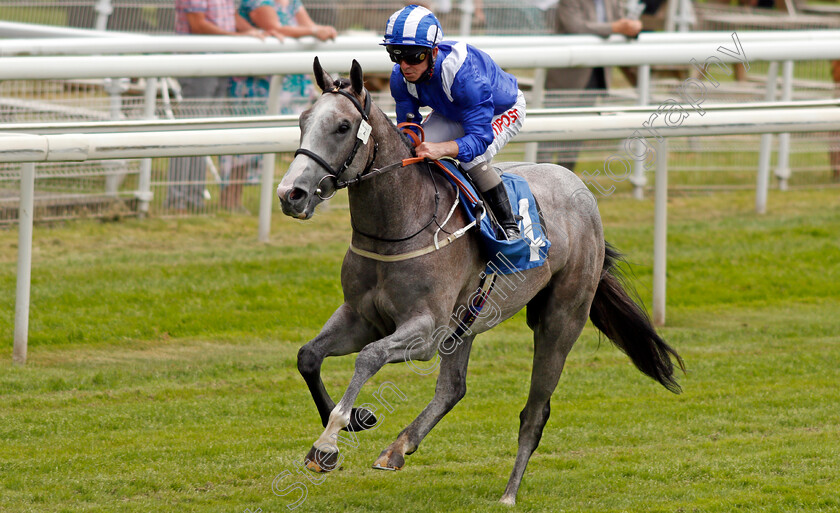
413,25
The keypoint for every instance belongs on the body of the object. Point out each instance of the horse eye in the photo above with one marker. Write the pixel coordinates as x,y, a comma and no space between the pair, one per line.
343,127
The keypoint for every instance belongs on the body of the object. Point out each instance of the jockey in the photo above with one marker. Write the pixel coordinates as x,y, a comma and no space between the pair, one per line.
477,107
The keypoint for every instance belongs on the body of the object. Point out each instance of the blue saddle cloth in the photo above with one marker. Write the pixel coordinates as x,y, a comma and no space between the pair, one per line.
508,257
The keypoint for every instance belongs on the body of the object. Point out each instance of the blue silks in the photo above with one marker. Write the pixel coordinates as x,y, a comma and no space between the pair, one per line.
508,257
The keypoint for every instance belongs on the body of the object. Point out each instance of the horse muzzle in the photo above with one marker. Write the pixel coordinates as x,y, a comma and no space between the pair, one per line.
295,201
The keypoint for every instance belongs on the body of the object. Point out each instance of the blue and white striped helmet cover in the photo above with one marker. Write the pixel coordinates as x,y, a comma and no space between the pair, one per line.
413,25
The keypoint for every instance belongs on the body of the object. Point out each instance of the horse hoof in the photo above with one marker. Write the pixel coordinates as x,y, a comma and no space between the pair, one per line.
320,461
508,501
389,462
361,419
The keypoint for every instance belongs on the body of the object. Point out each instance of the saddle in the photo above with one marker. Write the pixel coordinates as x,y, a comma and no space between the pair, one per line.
503,256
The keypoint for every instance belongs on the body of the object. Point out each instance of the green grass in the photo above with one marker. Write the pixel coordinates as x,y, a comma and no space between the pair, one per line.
161,374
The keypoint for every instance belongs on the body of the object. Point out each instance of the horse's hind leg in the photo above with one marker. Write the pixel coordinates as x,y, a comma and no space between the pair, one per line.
557,322
451,388
344,333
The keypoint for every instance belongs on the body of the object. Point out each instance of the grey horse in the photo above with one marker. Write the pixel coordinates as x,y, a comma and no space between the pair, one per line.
400,287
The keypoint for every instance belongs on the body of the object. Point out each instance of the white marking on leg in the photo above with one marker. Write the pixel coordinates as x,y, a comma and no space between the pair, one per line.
327,442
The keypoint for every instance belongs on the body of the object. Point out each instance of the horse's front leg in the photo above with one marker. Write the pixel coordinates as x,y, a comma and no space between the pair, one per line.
451,388
414,336
344,333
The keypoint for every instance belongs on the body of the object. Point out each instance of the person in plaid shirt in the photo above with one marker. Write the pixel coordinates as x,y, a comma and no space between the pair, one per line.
207,17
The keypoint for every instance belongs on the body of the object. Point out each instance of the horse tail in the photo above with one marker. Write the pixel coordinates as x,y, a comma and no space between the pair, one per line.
628,326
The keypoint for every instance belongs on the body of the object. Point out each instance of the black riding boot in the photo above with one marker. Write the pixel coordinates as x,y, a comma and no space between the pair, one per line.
497,199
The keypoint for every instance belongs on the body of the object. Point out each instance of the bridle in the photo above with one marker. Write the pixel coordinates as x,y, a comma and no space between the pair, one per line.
362,135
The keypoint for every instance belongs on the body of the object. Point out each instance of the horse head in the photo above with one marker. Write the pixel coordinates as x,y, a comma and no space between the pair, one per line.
334,145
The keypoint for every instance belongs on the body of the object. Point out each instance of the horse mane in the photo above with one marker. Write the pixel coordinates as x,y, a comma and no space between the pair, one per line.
343,83
404,138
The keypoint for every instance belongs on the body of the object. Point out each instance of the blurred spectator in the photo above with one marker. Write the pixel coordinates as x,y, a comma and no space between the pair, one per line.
210,17
278,18
599,17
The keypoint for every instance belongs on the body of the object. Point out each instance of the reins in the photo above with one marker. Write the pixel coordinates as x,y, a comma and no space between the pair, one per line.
419,231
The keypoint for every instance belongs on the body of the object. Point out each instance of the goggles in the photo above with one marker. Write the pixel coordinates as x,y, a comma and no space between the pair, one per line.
412,55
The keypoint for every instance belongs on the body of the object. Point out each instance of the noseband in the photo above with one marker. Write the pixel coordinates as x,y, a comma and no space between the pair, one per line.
362,136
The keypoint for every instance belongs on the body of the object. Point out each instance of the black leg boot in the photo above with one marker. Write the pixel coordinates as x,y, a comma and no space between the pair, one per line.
497,199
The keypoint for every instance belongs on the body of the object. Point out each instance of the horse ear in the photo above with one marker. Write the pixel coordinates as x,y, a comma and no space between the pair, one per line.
322,78
357,78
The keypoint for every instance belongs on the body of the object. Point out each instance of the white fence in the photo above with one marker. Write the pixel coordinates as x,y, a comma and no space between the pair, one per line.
708,51
376,60
549,126
745,120
262,57
90,42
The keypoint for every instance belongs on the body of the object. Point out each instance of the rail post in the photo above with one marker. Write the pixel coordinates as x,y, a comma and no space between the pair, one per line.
783,164
24,268
144,181
660,233
638,179
762,181
267,177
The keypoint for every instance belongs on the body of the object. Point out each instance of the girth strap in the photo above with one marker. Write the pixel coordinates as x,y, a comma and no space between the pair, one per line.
399,257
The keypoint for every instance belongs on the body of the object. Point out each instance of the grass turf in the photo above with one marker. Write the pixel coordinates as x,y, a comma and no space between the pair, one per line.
162,376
